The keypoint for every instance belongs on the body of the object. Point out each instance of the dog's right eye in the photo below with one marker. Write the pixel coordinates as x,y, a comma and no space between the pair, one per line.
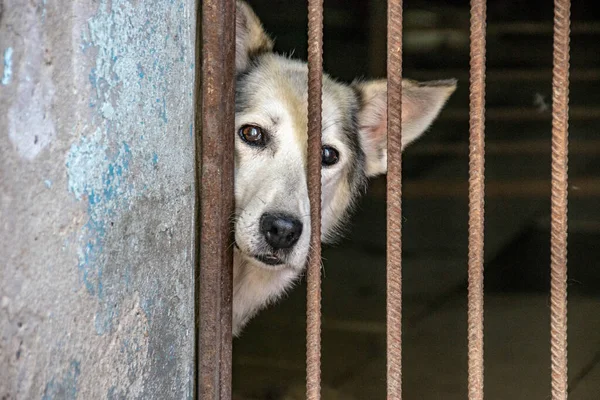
329,156
253,135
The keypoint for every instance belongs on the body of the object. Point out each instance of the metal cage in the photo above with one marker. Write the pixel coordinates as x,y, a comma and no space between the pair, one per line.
216,193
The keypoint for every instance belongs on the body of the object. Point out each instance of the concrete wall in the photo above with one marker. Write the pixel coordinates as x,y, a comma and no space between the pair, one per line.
96,199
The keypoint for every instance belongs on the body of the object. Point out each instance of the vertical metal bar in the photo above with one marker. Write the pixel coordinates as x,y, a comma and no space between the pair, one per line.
476,199
560,131
313,274
217,201
394,200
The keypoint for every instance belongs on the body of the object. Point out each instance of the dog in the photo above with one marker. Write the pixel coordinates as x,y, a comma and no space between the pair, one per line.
272,216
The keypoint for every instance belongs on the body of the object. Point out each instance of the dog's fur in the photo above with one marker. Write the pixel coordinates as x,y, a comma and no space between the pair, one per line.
271,94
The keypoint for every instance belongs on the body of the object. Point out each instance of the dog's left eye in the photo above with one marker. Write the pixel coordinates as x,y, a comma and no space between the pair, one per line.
329,156
253,135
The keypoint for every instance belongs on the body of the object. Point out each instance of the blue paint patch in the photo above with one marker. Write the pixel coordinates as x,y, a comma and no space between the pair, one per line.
111,166
163,114
85,42
7,75
171,352
127,277
134,50
66,386
104,317
112,393
93,78
140,70
98,174
48,183
44,10
153,300
147,305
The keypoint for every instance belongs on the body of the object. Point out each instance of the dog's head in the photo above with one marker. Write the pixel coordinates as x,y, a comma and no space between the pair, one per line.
272,225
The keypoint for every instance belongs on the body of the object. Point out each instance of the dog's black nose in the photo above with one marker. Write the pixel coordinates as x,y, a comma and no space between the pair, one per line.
281,231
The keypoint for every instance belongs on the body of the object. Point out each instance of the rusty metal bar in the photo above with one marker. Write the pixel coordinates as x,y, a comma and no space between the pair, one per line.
313,274
476,199
216,197
394,200
560,131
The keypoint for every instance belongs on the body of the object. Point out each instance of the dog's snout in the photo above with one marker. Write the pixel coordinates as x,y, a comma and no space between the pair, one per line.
281,231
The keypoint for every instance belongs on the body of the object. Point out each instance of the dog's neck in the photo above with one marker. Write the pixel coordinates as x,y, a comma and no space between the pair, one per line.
255,287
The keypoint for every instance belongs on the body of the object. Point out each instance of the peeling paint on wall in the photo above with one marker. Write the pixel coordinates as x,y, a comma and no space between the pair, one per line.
130,86
7,74
96,174
99,280
66,386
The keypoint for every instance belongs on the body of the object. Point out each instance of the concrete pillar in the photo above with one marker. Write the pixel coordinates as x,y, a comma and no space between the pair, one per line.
96,199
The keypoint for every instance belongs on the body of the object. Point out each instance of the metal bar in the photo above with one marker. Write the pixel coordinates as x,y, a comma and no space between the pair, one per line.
476,199
394,200
313,274
560,130
217,201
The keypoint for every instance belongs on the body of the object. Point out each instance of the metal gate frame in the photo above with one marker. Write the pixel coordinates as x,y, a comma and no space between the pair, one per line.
216,83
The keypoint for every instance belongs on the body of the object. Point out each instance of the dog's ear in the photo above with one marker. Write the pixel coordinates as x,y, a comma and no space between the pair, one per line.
421,103
250,37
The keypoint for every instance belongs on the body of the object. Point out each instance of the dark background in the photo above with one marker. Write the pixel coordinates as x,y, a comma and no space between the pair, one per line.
269,356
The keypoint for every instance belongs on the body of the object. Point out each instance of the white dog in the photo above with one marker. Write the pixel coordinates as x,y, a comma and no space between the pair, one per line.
272,222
